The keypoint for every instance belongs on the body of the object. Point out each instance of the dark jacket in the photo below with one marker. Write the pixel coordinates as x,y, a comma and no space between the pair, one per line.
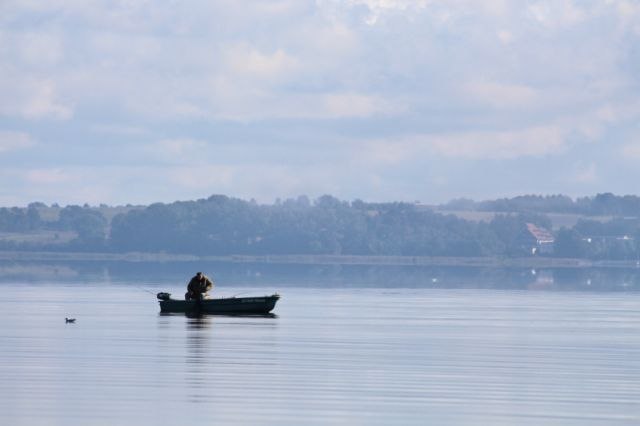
199,285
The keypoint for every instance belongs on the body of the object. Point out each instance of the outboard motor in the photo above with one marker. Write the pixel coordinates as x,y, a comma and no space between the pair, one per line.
163,296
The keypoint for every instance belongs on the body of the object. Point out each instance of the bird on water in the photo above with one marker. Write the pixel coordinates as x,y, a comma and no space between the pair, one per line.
69,320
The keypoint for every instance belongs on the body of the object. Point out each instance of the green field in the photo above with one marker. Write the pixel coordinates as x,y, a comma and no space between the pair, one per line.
38,237
559,220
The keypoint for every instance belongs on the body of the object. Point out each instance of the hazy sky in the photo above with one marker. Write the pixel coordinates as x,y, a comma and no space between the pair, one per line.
139,101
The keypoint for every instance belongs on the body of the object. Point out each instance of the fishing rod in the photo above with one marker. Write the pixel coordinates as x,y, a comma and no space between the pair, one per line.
145,290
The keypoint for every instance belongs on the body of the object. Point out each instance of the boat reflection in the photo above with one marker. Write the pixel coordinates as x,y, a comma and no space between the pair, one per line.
197,316
204,359
198,354
197,322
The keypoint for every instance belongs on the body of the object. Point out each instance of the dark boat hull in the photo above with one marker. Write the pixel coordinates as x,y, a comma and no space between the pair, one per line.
227,306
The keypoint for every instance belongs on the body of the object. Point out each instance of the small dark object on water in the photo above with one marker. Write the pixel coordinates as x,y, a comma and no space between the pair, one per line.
69,320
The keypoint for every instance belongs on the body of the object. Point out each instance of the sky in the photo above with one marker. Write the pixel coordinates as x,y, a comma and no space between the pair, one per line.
134,102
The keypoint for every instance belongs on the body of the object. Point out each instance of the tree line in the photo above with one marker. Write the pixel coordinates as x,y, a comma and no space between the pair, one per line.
221,225
605,204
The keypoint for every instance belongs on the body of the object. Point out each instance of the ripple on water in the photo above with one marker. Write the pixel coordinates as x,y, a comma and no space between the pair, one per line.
355,356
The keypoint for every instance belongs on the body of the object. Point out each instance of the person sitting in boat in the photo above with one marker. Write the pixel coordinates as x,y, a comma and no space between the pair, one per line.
199,287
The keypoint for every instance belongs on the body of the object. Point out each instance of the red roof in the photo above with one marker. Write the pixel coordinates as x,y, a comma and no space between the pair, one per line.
541,234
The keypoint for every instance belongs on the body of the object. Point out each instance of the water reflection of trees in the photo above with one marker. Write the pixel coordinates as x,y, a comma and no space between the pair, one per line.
170,274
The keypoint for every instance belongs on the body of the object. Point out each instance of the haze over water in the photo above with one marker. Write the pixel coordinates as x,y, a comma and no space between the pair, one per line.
366,354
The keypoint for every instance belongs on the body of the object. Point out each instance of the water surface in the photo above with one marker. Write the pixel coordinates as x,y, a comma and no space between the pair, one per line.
329,356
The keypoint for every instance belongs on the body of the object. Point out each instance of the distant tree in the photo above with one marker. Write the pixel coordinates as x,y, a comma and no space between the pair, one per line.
328,225
37,205
16,219
89,224
569,243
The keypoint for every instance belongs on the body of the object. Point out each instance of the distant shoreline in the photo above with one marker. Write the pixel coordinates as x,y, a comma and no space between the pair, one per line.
301,259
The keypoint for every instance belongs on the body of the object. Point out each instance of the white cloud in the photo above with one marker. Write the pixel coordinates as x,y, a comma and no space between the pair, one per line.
442,13
178,150
465,80
536,142
505,36
556,13
11,141
247,105
118,129
245,60
630,150
94,185
42,103
502,95
32,98
40,48
379,7
500,145
342,105
48,176
594,124
585,174
629,13
203,177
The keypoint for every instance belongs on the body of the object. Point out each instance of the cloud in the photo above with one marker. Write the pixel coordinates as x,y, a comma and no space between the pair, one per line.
594,125
501,95
628,13
93,185
245,60
178,150
505,36
203,177
11,141
630,150
556,13
247,105
32,99
266,182
276,96
43,103
48,176
497,145
117,129
377,8
585,174
40,48
342,105
536,142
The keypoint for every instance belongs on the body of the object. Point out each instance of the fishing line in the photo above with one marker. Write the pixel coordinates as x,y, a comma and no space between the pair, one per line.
145,290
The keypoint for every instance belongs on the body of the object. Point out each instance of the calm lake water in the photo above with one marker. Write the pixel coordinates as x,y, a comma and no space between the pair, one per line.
358,355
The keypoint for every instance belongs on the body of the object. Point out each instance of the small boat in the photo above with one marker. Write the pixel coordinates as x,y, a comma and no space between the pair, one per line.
222,306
